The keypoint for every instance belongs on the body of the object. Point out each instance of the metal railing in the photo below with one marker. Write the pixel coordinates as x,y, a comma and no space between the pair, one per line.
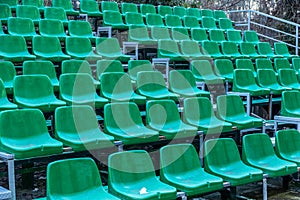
250,20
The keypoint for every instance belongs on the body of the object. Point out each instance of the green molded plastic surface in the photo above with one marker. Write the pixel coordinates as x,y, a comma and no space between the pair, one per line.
212,49
222,159
209,23
290,104
134,19
251,36
180,167
11,3
31,12
230,49
48,48
231,109
154,20
124,122
22,27
191,49
264,63
258,152
173,21
56,13
138,175
140,34
220,14
5,13
109,48
79,89
217,35
151,84
199,112
296,64
76,178
264,48
164,10
113,19
66,5
248,49
282,49
90,8
191,22
281,63
13,48
129,7
180,34
288,78
245,64
225,24
7,75
35,91
199,34
207,13
5,104
147,8
160,33
24,133
109,5
79,28
287,145
77,127
53,28
169,49
163,116
117,87
224,68
234,36
108,66
195,12
203,71
179,11
135,66
38,3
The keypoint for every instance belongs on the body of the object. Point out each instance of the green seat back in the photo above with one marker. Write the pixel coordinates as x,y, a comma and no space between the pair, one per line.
290,102
281,63
191,22
154,20
217,35
90,7
129,7
201,69
135,66
11,3
164,10
189,47
251,36
40,67
195,12
180,34
13,44
5,12
179,11
296,63
264,48
37,3
112,18
108,66
263,63
109,5
182,80
243,78
138,33
234,36
266,78
46,45
7,75
168,47
108,46
208,23
219,14
211,47
134,19
30,12
78,45
230,106
160,33
150,82
21,26
76,66
244,64
207,13
225,23
173,21
55,13
248,48
80,29
287,77
224,68
147,8
281,49
230,48
199,34
66,5
52,27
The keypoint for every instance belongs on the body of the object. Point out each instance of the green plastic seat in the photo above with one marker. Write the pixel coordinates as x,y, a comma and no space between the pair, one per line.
179,34
173,21
78,66
80,48
30,138
251,36
109,5
288,78
183,82
123,121
103,66
140,34
30,12
244,81
225,24
245,64
222,159
22,27
217,35
296,64
77,127
56,13
219,14
117,87
195,12
234,36
180,167
79,89
230,49
212,49
136,66
13,48
179,11
147,8
38,3
35,91
191,48
109,48
199,34
138,176
290,106
258,152
154,20
191,22
231,109
53,28
281,63
83,29
11,3
224,68
90,8
287,145
5,104
203,72
207,13
198,112
44,68
48,48
264,63
160,33
129,7
164,10
7,75
78,179
264,48
282,49
151,84
5,13
169,49
248,49
134,19
163,116
66,5
266,78
114,19
208,23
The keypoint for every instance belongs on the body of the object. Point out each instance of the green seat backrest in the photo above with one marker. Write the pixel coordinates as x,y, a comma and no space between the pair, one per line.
20,26
191,22
229,106
108,45
281,48
173,21
108,66
225,23
234,36
290,101
266,77
287,77
3,95
5,11
251,36
138,32
223,67
229,48
296,63
182,80
135,66
37,3
134,19
201,68
7,71
281,63
31,12
89,6
44,67
55,13
147,8
154,20
243,78
216,35
13,44
11,3
247,48
160,33
195,12
65,4
199,34
244,64
129,7
210,47
208,22
190,47
51,27
109,5
112,17
79,28
46,44
164,10
219,14
207,13
72,176
264,48
179,11
122,116
76,66
151,81
287,142
168,46
263,63
180,34
78,45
